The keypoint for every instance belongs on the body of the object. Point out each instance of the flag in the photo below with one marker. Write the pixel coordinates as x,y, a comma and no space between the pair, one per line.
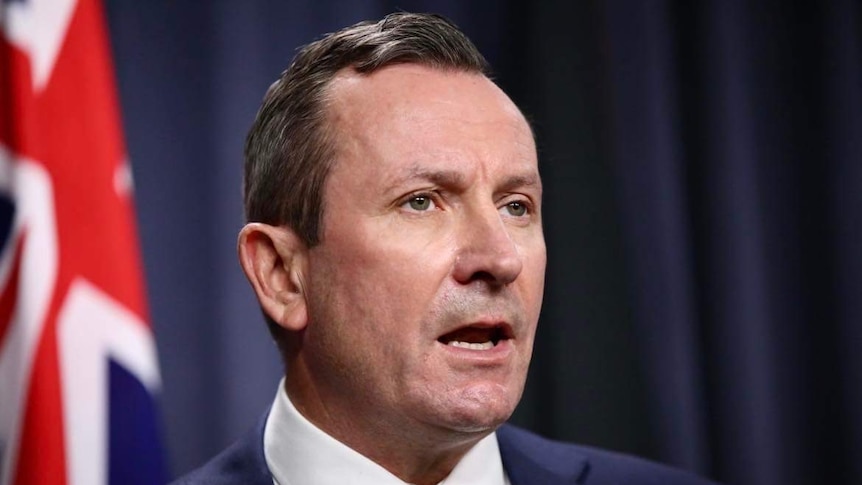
78,370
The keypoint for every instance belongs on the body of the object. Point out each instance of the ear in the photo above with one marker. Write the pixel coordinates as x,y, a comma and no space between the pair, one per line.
274,261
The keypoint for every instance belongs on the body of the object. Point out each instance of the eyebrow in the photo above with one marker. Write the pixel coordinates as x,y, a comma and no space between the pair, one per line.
452,178
525,180
446,178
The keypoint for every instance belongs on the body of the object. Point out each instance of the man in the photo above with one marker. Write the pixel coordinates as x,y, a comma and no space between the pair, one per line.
395,245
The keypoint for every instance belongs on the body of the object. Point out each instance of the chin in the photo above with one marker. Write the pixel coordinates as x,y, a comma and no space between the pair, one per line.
476,424
480,410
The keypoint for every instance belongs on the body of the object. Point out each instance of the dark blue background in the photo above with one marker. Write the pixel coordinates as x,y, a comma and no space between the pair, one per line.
703,216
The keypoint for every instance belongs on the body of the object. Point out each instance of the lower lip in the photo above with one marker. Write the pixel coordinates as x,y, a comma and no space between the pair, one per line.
495,355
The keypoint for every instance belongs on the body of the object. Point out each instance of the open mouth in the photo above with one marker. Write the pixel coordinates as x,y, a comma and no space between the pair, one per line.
477,337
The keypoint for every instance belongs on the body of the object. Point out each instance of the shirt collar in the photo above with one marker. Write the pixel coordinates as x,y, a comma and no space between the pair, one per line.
299,453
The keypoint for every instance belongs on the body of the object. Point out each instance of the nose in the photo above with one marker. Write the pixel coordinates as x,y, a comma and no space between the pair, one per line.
486,251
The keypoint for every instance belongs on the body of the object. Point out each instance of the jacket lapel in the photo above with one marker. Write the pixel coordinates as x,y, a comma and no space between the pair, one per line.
530,459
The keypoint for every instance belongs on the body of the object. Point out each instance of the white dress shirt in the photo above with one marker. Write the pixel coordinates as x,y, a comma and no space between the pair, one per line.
299,453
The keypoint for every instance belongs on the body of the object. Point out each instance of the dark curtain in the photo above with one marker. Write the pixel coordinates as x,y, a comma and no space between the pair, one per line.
703,172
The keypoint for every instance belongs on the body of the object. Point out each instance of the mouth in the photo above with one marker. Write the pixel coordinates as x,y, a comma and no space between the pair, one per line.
477,337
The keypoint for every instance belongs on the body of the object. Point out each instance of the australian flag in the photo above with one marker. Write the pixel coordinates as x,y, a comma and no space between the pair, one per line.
78,368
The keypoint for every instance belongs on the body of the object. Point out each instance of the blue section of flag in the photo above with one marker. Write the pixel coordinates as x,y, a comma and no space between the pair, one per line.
135,454
7,216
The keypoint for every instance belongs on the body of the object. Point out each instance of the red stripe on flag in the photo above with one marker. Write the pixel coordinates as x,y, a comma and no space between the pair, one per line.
9,296
42,456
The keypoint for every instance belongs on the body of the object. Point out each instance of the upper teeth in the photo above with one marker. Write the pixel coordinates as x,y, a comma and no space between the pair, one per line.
473,346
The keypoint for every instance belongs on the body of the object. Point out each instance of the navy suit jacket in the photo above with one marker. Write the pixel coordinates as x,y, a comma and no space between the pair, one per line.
527,458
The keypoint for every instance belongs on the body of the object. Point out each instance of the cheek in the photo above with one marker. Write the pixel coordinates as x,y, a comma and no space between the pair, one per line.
533,273
394,270
379,293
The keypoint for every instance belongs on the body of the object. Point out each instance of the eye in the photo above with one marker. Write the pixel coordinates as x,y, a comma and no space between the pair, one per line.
420,202
516,208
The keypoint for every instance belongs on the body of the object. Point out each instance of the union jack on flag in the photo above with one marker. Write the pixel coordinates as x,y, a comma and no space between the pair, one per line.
78,370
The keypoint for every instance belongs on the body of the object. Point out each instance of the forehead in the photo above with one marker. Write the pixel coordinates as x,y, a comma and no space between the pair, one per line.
407,114
401,86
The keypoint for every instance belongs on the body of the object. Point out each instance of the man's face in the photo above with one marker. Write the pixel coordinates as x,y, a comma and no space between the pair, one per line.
425,290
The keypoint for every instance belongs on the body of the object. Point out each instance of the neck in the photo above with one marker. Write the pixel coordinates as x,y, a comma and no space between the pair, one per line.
423,456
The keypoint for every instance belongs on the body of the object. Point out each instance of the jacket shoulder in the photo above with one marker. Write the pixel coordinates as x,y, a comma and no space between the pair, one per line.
527,456
241,463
